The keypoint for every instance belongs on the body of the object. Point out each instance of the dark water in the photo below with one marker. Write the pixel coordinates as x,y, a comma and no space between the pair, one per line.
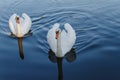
97,26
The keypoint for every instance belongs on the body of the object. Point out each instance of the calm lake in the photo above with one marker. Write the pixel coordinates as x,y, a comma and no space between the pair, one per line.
96,53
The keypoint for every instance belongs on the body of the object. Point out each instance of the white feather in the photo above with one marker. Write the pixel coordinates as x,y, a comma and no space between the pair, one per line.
25,24
12,24
51,37
68,38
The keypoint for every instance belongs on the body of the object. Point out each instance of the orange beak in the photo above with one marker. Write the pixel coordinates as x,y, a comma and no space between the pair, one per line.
57,34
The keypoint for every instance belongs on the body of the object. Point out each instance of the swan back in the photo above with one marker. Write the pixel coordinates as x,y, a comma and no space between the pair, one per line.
68,38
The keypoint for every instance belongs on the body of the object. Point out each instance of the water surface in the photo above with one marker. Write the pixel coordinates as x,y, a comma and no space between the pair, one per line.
97,47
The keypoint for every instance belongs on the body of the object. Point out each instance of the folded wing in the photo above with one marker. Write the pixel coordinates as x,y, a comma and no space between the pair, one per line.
68,38
51,37
12,24
25,23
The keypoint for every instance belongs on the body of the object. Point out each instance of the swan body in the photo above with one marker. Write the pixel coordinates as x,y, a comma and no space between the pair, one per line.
20,26
61,41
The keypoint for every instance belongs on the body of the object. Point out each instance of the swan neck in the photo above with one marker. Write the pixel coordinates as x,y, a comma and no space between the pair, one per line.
18,30
59,49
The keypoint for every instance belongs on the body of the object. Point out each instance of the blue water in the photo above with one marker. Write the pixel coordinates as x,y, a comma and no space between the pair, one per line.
97,47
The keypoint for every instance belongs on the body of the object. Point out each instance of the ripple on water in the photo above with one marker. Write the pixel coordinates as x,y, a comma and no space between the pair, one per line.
82,21
89,27
97,44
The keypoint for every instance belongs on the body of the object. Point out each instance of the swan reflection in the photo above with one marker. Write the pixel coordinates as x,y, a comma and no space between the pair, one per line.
20,39
20,48
70,57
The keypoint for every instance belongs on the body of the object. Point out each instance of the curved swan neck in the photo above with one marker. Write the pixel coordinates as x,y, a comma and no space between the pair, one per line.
18,30
18,27
59,49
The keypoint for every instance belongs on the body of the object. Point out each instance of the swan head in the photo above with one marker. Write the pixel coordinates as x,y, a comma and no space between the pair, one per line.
57,32
17,20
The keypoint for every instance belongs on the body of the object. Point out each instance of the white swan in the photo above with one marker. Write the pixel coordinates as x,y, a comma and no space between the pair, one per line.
20,26
59,41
